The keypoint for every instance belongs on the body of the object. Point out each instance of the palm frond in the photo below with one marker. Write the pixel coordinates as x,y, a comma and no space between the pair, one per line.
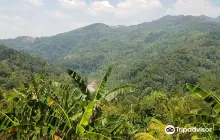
211,99
101,89
144,136
87,114
200,118
79,81
6,121
61,112
119,91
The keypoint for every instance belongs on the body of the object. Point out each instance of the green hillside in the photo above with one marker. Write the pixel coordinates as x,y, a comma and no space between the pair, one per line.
164,72
180,59
17,68
162,54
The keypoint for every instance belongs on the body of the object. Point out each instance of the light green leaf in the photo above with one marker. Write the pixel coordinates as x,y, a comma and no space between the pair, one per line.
101,89
87,114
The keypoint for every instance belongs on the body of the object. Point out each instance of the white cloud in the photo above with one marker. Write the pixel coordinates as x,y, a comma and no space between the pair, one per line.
194,7
123,9
14,21
126,11
57,14
101,5
137,8
98,8
23,17
133,4
77,24
37,3
12,26
72,4
73,14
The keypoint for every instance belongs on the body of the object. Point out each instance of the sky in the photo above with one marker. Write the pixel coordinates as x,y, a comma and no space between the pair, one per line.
39,18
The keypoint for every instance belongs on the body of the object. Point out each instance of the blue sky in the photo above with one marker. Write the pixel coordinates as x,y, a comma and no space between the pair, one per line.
50,17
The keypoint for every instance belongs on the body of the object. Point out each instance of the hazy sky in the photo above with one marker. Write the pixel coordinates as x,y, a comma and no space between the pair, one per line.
49,17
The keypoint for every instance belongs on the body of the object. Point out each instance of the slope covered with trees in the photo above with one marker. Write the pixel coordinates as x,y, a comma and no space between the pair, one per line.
180,60
159,64
162,54
17,67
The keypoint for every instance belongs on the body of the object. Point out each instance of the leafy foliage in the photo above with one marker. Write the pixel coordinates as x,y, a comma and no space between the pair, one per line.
155,58
214,103
53,110
160,55
17,67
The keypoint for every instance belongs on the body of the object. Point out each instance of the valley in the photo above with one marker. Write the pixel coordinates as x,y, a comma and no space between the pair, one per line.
184,46
113,82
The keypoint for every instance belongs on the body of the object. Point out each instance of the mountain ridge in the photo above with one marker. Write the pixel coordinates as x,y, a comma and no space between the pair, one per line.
204,17
137,50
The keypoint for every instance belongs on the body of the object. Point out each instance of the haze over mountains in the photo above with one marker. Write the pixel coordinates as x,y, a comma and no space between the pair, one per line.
110,82
162,54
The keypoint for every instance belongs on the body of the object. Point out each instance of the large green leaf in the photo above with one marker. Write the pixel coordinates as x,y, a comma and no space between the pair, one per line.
101,89
106,121
62,114
74,92
80,82
211,99
76,116
118,91
53,122
87,114
118,128
109,120
144,136
6,121
200,118
80,129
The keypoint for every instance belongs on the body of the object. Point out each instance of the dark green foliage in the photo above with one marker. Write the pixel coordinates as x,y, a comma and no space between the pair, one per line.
159,55
211,99
202,120
80,82
50,109
44,109
17,68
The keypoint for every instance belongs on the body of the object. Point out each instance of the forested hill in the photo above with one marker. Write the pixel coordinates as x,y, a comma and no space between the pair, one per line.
16,68
182,59
91,42
159,55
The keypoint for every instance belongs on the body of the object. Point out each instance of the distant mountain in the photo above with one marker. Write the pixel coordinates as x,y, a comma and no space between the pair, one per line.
98,35
217,19
17,67
162,54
